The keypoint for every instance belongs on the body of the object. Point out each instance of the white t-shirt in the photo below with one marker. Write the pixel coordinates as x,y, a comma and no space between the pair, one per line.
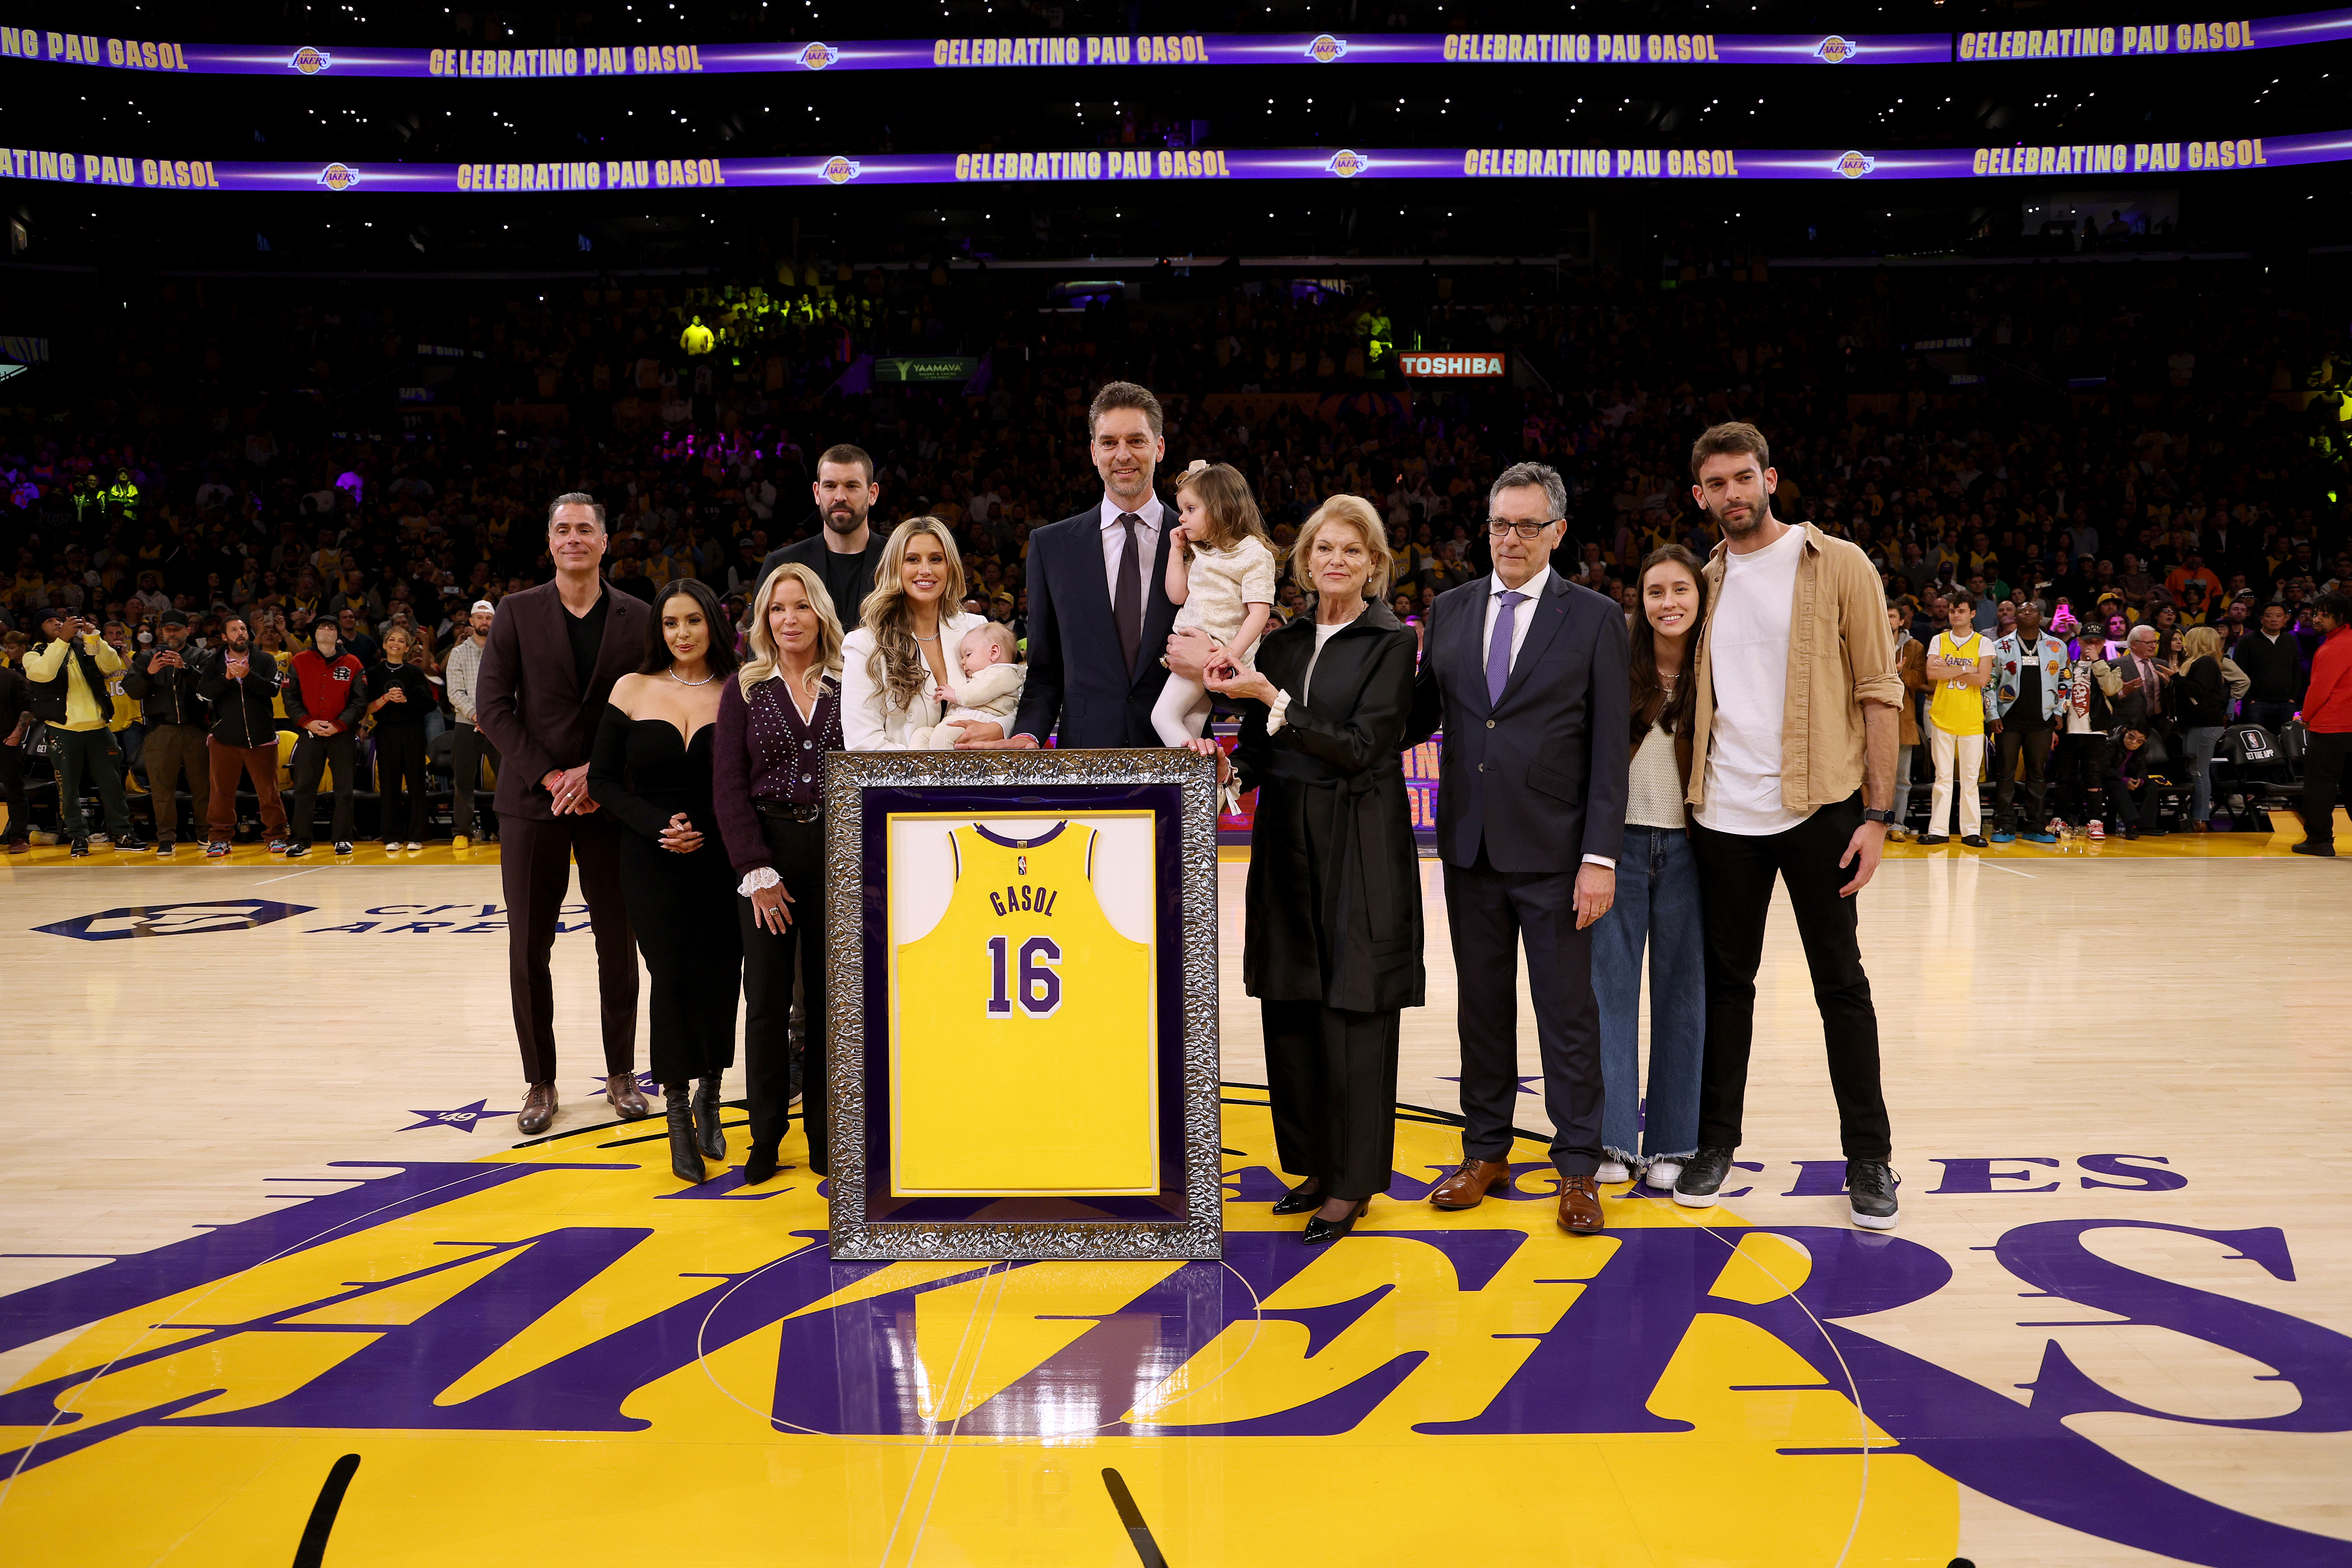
1749,660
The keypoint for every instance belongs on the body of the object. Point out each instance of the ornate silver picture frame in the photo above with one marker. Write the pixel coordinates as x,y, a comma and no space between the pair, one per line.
863,792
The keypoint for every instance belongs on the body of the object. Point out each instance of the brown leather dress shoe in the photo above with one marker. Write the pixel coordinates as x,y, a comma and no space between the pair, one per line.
621,1088
1579,1206
1467,1187
538,1108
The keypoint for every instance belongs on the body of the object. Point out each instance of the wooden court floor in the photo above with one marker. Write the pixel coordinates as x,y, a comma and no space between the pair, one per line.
276,1281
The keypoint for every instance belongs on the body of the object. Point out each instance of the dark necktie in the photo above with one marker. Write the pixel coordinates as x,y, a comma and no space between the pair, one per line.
1127,597
1499,647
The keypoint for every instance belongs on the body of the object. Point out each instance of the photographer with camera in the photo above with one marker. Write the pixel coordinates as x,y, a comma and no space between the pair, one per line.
67,670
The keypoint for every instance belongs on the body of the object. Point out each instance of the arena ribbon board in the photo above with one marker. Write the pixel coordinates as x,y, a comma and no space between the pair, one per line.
2121,40
1033,931
1129,165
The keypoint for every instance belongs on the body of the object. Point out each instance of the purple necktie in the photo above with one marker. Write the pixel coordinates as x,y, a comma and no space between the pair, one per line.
1498,649
1126,601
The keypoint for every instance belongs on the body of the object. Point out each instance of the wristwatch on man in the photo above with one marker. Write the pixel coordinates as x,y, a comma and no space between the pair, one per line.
1872,814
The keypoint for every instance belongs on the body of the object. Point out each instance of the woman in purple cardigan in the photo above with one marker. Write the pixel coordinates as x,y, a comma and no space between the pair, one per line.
777,719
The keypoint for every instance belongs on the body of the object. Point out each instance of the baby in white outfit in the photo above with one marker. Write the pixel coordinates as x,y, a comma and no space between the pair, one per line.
987,691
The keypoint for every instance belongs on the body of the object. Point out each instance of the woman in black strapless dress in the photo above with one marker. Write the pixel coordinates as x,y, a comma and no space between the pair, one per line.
651,769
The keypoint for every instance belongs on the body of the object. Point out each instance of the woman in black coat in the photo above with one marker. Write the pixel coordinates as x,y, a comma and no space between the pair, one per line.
1333,949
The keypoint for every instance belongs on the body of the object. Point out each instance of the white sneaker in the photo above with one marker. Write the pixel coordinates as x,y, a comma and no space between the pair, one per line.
413,845
1662,1174
1612,1171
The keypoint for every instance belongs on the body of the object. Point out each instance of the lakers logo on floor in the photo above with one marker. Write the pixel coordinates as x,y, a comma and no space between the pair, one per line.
562,1323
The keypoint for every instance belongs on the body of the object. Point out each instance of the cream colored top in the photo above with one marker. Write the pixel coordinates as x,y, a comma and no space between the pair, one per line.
1220,586
869,722
1654,783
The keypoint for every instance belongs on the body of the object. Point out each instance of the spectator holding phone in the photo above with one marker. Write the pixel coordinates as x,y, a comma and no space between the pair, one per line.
164,679
241,682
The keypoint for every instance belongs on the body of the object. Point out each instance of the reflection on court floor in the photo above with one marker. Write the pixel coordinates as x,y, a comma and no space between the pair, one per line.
555,1351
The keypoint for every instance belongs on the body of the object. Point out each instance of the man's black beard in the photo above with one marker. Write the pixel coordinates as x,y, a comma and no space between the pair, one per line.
852,526
1756,519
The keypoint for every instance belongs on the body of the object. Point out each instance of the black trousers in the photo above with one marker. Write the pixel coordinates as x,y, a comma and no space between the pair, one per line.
535,870
1491,913
1735,880
2323,781
2078,775
770,962
2033,741
400,783
467,747
312,755
1332,1075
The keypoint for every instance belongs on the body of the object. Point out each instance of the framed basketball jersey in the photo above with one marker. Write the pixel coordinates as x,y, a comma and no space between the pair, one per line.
1024,1023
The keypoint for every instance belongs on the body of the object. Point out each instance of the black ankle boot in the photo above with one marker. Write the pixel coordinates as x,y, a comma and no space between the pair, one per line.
759,1165
706,1118
685,1159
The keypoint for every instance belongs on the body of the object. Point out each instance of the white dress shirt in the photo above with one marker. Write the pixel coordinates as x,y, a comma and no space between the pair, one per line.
1114,543
1522,617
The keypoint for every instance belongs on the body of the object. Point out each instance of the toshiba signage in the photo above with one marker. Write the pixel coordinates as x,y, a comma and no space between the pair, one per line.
1455,366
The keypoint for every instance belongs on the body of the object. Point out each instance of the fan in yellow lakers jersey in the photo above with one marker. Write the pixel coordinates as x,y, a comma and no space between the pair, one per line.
1023,989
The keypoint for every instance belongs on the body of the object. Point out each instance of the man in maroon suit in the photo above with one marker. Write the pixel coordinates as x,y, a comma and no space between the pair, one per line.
553,654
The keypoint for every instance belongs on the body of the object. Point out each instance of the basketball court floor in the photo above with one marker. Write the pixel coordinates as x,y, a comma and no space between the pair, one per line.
281,1283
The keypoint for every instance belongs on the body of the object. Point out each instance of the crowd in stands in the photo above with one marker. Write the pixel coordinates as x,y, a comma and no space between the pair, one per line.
2157,446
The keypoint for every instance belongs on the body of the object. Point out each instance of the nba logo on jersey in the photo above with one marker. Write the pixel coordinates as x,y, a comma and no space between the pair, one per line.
1022,990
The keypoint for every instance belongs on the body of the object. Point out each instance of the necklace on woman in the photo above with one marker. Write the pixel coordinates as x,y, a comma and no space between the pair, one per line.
682,680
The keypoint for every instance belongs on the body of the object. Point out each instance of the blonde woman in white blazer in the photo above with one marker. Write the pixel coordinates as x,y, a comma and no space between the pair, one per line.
895,663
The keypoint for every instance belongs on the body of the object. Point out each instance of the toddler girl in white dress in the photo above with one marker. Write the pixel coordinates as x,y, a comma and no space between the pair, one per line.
1220,576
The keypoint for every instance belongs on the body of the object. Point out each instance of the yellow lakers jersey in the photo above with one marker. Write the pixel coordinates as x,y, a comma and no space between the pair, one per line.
1023,1047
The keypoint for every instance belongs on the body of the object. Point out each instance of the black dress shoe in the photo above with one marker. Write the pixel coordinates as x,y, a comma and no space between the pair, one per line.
2326,851
1299,1199
757,1166
1321,1232
706,1118
685,1159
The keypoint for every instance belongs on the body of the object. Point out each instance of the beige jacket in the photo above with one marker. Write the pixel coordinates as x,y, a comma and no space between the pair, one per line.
1840,655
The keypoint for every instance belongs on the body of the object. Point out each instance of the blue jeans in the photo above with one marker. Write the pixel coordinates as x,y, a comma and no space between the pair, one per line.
1657,904
2197,748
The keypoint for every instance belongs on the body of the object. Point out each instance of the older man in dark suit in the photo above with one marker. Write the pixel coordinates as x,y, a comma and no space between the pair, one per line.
845,548
553,654
1526,672
1099,615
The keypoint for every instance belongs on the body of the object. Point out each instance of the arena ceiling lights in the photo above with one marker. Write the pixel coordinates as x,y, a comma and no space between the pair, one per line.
1129,166
2118,41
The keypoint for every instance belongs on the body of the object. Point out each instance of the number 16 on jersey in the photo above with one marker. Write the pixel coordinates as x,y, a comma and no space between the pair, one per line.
1028,978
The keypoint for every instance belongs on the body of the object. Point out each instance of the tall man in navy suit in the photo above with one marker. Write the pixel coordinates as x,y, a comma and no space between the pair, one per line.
1099,615
1526,672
